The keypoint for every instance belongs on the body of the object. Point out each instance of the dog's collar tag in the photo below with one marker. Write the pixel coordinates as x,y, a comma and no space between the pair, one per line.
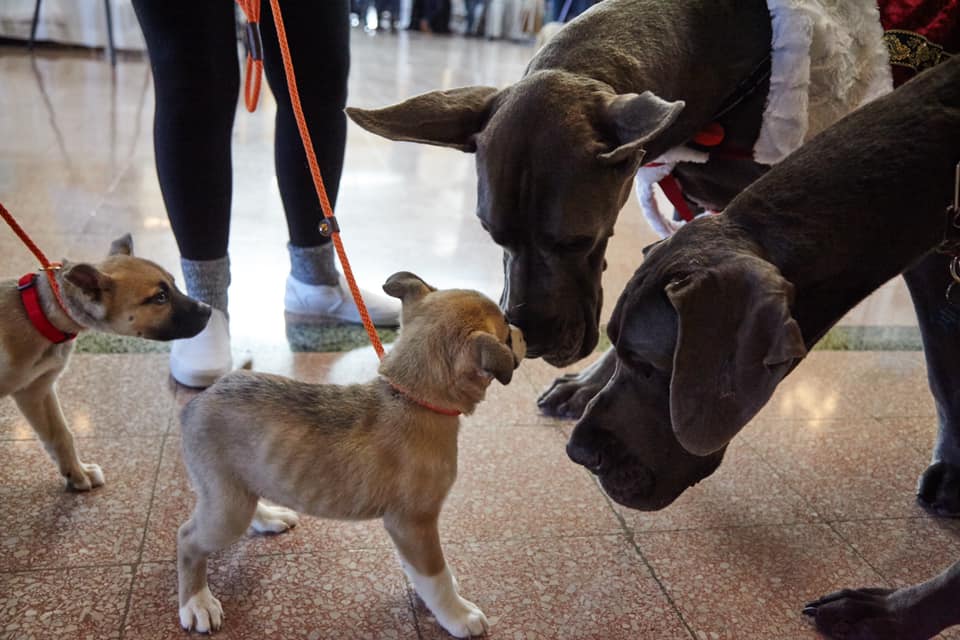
27,286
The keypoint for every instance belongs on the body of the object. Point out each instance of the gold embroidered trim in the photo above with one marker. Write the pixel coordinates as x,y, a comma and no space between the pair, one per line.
912,50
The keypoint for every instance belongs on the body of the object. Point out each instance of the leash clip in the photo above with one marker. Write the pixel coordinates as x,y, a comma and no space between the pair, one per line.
952,244
955,275
329,226
253,41
951,232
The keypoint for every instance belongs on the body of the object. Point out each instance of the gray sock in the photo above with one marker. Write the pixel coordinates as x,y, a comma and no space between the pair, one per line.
313,265
207,280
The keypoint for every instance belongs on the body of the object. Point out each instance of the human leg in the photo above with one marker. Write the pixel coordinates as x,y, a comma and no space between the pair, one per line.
193,56
318,35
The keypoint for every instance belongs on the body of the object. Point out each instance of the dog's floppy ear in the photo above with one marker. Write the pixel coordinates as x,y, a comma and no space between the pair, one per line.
650,247
636,119
406,286
85,277
448,118
491,357
122,246
736,340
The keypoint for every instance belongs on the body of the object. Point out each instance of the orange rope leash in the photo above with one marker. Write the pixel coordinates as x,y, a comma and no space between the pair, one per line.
251,9
254,69
45,265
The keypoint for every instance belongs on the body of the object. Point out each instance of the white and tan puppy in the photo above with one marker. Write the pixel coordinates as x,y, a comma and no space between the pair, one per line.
385,449
122,295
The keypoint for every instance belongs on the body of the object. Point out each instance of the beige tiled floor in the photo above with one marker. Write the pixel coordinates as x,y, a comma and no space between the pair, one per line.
817,494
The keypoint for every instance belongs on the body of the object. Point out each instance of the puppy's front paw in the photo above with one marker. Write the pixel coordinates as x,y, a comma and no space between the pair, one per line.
202,612
86,477
271,519
462,619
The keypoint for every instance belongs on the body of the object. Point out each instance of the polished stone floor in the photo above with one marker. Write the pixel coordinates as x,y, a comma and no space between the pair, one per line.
815,495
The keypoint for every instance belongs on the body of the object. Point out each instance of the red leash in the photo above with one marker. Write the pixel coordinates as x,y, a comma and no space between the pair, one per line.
46,265
329,227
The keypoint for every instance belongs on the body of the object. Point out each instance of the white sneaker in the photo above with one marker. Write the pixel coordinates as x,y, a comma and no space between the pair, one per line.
335,303
199,361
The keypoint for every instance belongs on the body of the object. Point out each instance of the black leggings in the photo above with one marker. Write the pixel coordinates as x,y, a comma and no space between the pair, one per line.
196,73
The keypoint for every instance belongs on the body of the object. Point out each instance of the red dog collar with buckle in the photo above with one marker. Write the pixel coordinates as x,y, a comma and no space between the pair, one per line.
31,302
423,403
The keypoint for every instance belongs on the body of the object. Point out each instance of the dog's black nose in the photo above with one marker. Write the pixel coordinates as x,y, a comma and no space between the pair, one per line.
586,456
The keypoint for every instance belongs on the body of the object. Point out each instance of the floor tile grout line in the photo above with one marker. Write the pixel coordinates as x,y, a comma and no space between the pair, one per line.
78,567
766,525
851,419
300,554
482,542
631,540
411,604
824,520
146,528
388,547
860,555
926,517
103,438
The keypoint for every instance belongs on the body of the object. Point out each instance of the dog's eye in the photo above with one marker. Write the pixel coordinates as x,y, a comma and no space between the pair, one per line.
161,298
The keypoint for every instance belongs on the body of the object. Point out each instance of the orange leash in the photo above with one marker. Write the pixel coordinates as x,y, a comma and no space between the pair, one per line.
45,265
254,69
329,226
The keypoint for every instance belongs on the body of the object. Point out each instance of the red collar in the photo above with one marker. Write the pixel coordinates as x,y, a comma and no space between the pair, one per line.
712,137
31,302
423,403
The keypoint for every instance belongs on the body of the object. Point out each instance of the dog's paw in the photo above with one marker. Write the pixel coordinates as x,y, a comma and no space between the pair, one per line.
462,619
569,395
85,478
202,612
271,519
939,489
854,614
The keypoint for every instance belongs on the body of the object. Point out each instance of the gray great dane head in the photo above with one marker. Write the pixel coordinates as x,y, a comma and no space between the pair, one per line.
556,156
703,333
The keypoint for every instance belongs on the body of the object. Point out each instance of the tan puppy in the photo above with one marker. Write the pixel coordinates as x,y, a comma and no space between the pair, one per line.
121,295
385,449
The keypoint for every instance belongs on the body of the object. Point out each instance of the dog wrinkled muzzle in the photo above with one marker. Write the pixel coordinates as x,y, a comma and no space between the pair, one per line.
625,438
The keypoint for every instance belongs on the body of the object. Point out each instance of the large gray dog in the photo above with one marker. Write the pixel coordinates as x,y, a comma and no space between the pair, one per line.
558,150
556,155
862,202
